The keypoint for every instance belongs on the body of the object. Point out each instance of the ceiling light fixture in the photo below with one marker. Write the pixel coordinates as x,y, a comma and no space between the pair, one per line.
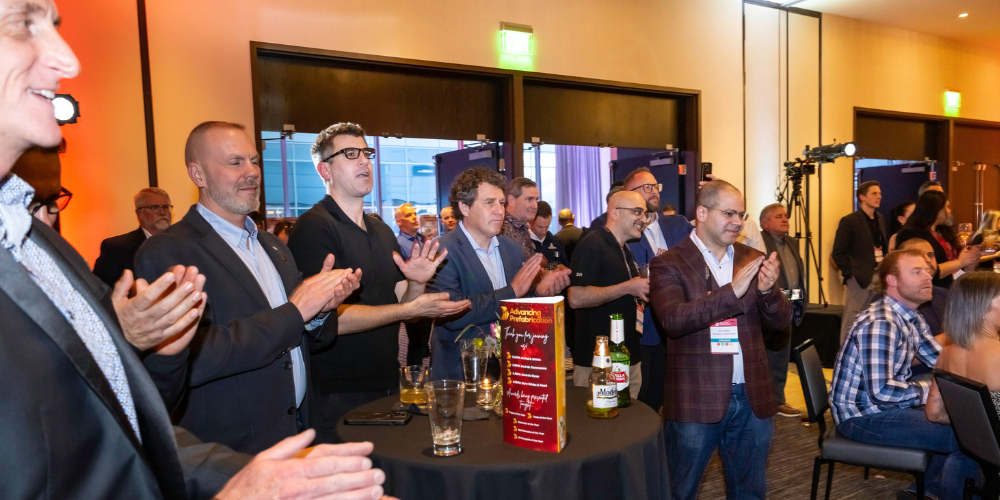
963,15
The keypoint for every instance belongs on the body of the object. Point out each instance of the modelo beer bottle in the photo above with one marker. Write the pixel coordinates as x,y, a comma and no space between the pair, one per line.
620,360
603,391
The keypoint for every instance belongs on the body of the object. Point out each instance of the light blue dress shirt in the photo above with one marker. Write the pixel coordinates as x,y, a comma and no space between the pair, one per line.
490,257
243,241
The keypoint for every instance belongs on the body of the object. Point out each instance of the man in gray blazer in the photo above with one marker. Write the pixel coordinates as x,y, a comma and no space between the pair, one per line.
482,266
777,342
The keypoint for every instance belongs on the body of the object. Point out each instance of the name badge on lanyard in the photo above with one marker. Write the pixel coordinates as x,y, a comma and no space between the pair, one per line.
724,335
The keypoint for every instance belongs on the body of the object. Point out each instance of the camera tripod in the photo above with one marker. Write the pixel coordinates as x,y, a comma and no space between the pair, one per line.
798,208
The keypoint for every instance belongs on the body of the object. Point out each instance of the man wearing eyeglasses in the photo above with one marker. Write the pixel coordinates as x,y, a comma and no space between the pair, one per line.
361,365
605,280
711,295
155,214
660,233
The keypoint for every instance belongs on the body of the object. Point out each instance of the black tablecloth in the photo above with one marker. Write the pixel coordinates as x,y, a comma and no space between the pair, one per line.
621,458
823,325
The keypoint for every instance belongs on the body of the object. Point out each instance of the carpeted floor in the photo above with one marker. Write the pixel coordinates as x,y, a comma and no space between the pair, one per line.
790,466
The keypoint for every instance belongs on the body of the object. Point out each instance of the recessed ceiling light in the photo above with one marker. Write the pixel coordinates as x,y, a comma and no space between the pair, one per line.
963,15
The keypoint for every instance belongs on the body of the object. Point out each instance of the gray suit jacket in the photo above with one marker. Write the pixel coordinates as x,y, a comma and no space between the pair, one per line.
65,435
794,247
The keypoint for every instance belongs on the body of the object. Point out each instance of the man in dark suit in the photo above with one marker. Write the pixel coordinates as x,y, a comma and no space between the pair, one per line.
155,214
858,247
660,233
247,369
483,267
569,235
778,342
82,418
545,242
711,295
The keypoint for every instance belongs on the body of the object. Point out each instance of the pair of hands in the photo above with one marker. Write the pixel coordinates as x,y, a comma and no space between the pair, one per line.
163,315
765,270
289,470
552,282
325,291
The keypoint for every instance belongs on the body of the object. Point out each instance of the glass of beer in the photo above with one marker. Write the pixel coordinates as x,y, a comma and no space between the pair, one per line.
964,231
411,384
445,406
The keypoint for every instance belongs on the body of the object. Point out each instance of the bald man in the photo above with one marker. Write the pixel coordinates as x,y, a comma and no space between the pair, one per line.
448,219
569,235
605,281
246,369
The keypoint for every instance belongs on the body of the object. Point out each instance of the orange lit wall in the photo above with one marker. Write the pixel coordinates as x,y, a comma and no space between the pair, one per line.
105,160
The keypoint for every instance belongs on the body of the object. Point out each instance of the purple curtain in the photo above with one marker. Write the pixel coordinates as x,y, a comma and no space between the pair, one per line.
578,182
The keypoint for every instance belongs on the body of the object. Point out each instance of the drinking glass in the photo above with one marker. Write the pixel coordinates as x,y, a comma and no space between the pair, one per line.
445,406
411,384
644,271
484,393
474,359
964,231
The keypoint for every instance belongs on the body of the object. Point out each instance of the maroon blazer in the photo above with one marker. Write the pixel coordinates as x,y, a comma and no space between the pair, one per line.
698,384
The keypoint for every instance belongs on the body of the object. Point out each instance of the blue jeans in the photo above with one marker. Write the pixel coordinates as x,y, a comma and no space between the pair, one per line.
909,428
743,441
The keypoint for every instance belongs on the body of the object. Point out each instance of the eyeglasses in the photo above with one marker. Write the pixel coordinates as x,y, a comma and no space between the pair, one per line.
648,188
733,213
352,154
54,204
639,212
157,208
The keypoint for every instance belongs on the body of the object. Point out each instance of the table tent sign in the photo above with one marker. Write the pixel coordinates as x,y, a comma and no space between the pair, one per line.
533,341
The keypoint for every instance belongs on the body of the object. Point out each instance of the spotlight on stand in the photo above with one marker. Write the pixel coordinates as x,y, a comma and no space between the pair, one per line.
826,154
67,109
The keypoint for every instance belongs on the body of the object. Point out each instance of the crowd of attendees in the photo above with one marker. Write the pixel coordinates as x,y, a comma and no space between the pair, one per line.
210,357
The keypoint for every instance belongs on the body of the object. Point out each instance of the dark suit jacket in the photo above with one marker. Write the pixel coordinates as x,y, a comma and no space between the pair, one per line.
464,277
698,384
117,255
776,339
854,249
550,254
569,236
63,431
239,387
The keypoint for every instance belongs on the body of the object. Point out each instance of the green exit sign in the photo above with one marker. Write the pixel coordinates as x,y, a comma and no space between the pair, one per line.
953,99
516,39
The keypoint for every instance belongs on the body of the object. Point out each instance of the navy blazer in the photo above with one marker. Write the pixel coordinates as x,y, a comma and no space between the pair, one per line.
117,255
65,434
675,228
463,276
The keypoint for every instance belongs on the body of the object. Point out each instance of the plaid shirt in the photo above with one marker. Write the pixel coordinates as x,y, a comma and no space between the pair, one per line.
873,368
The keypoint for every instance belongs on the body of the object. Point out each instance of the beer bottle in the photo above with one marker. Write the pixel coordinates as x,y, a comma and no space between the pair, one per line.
604,395
620,360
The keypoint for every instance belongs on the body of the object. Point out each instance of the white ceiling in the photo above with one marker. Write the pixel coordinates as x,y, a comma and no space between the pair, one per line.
934,17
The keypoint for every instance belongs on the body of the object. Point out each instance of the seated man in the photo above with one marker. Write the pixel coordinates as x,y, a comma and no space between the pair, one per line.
874,397
482,266
932,310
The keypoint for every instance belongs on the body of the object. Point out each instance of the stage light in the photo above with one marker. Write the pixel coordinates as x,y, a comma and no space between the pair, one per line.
953,99
516,39
826,154
67,109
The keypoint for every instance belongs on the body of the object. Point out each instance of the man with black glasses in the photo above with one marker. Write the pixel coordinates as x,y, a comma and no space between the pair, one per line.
155,214
361,365
605,280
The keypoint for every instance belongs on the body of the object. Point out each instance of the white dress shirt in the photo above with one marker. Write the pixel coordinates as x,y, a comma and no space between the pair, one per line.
723,273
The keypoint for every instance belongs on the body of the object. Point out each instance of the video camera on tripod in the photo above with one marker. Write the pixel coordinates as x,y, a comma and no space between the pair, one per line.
797,207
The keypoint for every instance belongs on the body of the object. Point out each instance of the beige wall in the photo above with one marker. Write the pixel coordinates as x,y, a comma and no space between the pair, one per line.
872,66
200,64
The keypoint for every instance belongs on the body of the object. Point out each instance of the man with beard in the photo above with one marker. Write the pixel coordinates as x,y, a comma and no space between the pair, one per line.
155,214
605,280
661,232
874,396
244,379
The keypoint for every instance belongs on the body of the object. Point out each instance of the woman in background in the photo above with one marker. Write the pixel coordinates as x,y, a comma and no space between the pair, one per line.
928,222
987,226
900,214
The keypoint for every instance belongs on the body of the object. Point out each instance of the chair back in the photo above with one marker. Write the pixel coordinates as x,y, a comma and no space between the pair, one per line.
813,382
973,416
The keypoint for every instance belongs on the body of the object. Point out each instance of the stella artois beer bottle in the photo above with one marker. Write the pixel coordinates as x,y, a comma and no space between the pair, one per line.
620,360
603,391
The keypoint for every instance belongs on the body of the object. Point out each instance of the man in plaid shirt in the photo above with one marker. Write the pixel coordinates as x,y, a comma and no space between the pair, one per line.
873,396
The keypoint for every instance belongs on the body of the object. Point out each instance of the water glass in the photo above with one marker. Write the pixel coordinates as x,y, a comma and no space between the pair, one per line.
411,384
474,359
445,407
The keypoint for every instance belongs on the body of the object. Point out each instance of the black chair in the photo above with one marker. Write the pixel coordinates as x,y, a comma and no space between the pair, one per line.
836,448
976,424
